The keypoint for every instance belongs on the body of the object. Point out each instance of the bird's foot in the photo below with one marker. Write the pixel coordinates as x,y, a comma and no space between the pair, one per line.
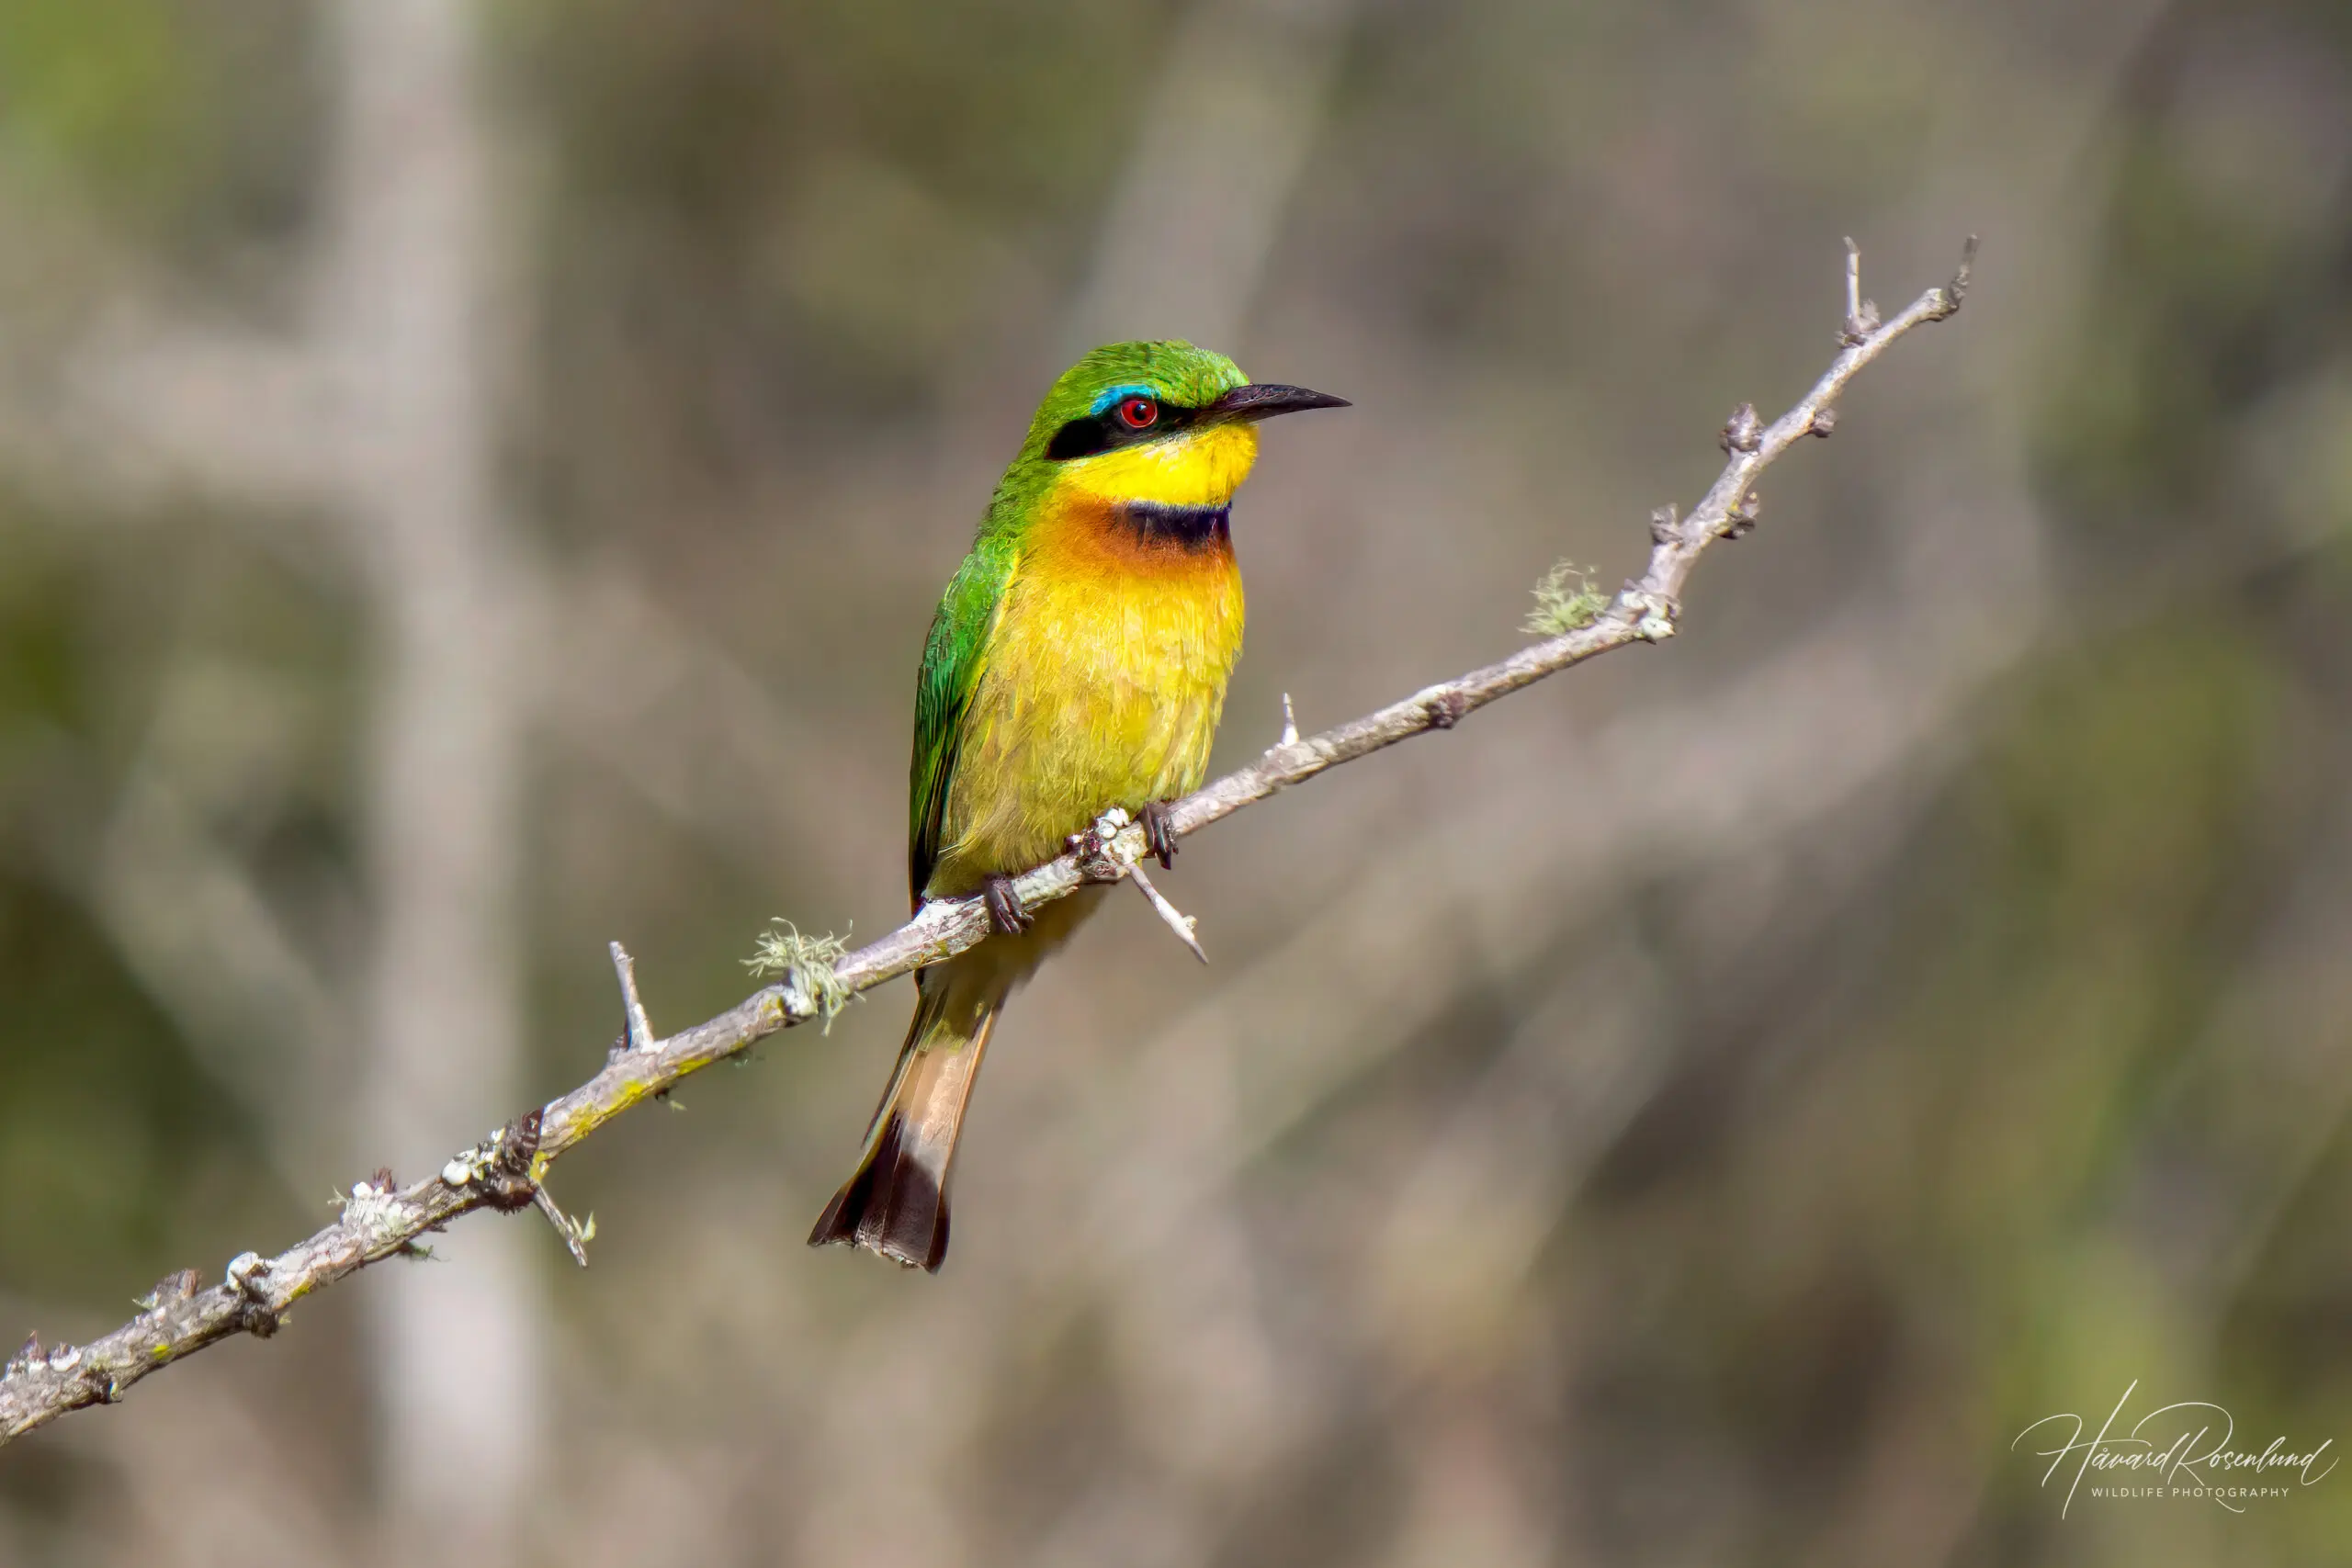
1006,912
1159,837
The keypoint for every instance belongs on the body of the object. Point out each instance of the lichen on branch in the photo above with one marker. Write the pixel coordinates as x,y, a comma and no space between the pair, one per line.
806,962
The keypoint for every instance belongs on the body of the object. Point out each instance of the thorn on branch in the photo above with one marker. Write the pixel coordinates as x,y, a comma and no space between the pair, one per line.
576,1234
1825,422
1666,524
1742,431
1957,290
640,1027
1861,315
1290,724
1183,925
506,1168
1103,856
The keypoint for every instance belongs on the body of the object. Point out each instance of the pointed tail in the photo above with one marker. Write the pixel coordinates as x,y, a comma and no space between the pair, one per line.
896,1203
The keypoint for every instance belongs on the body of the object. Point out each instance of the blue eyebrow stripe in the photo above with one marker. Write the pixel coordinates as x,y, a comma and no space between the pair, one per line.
1115,393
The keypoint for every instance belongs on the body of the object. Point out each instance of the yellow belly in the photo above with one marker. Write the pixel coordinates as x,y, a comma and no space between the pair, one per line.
1102,687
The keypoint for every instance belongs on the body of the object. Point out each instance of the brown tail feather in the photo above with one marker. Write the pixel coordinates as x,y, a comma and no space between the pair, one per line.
895,1202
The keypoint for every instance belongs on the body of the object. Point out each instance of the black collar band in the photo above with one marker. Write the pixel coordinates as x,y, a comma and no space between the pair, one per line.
1195,528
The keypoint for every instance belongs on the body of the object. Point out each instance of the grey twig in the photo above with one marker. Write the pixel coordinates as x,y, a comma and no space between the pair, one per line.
1861,315
576,1234
1103,855
1178,921
508,1170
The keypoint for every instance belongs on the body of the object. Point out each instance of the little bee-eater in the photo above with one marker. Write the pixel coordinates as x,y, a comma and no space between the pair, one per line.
1076,662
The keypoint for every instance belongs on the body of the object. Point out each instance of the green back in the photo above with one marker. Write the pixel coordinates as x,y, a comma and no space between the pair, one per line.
954,656
952,660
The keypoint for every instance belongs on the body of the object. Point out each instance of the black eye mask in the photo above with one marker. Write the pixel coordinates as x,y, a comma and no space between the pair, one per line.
1109,430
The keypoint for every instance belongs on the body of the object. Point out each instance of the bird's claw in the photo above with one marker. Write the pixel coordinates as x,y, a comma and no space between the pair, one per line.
1006,912
1159,839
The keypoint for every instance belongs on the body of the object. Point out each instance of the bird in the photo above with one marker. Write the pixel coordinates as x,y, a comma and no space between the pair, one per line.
1077,662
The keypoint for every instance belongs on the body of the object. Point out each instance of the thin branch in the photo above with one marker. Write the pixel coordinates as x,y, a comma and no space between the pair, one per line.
508,1170
1183,924
1099,851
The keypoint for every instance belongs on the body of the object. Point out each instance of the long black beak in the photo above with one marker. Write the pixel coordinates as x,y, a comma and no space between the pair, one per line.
1264,400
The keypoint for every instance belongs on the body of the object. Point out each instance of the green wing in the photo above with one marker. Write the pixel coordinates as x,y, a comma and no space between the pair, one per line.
952,657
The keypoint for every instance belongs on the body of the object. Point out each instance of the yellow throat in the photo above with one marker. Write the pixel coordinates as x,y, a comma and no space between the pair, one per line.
1201,469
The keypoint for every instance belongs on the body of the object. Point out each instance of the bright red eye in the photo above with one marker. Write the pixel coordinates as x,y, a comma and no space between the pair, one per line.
1138,413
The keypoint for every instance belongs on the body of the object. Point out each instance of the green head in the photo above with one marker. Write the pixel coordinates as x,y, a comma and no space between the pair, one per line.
1152,421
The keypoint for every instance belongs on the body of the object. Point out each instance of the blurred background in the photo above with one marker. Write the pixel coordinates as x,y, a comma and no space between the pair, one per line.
474,478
